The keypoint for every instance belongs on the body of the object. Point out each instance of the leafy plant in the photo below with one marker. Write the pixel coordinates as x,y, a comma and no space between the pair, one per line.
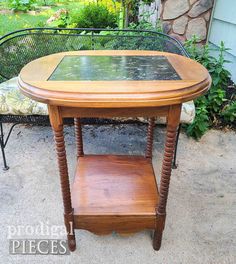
94,16
209,106
201,122
229,112
22,5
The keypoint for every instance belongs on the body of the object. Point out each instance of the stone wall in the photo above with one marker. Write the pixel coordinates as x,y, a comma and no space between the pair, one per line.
184,18
150,12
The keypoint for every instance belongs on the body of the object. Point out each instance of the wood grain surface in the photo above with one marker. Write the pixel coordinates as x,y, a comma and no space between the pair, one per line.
111,193
33,82
114,185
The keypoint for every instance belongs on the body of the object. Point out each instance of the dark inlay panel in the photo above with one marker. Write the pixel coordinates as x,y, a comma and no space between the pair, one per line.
110,68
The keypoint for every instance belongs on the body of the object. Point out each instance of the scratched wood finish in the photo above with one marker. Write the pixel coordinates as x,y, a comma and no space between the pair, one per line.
110,193
114,193
113,112
118,94
113,185
123,225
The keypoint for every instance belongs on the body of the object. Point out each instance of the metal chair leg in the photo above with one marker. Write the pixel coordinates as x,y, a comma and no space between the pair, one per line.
5,167
3,144
174,164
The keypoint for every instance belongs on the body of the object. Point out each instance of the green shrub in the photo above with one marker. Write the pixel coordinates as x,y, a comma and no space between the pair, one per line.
94,16
209,106
229,112
22,5
201,122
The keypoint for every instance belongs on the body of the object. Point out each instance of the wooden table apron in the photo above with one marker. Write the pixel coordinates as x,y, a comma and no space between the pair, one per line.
115,99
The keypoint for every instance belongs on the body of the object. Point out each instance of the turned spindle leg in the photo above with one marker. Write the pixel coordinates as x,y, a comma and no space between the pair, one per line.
57,126
79,137
172,126
149,147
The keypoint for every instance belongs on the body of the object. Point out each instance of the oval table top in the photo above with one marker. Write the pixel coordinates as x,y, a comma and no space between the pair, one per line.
113,78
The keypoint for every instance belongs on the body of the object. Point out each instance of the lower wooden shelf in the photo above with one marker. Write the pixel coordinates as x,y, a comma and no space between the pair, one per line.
114,193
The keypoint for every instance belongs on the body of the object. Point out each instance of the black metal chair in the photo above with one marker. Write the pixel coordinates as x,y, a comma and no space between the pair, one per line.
22,46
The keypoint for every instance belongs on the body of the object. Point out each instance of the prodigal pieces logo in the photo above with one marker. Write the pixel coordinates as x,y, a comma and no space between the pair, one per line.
38,247
40,239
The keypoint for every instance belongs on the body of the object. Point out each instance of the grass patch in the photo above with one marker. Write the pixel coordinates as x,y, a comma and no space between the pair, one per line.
9,23
15,21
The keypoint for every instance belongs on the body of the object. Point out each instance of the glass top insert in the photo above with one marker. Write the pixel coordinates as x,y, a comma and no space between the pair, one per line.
110,68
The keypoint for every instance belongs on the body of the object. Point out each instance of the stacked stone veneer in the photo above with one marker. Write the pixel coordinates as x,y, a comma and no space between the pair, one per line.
184,18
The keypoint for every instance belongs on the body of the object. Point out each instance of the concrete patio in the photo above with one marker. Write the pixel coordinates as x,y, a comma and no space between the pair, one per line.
201,216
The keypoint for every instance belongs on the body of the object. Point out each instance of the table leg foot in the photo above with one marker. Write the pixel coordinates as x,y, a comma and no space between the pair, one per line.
157,238
71,242
69,223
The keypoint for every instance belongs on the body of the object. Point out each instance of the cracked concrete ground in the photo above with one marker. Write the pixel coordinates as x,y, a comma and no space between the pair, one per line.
201,213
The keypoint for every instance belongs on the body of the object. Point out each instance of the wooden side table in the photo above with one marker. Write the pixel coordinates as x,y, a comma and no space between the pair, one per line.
114,192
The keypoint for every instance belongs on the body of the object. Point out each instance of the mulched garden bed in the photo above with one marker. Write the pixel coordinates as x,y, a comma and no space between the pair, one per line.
219,122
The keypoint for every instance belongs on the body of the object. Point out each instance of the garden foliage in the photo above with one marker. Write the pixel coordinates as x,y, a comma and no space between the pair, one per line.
22,5
209,108
90,16
94,16
229,112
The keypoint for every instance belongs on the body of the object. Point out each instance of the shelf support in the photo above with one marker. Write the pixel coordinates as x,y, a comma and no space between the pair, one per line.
79,137
57,126
173,120
149,147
